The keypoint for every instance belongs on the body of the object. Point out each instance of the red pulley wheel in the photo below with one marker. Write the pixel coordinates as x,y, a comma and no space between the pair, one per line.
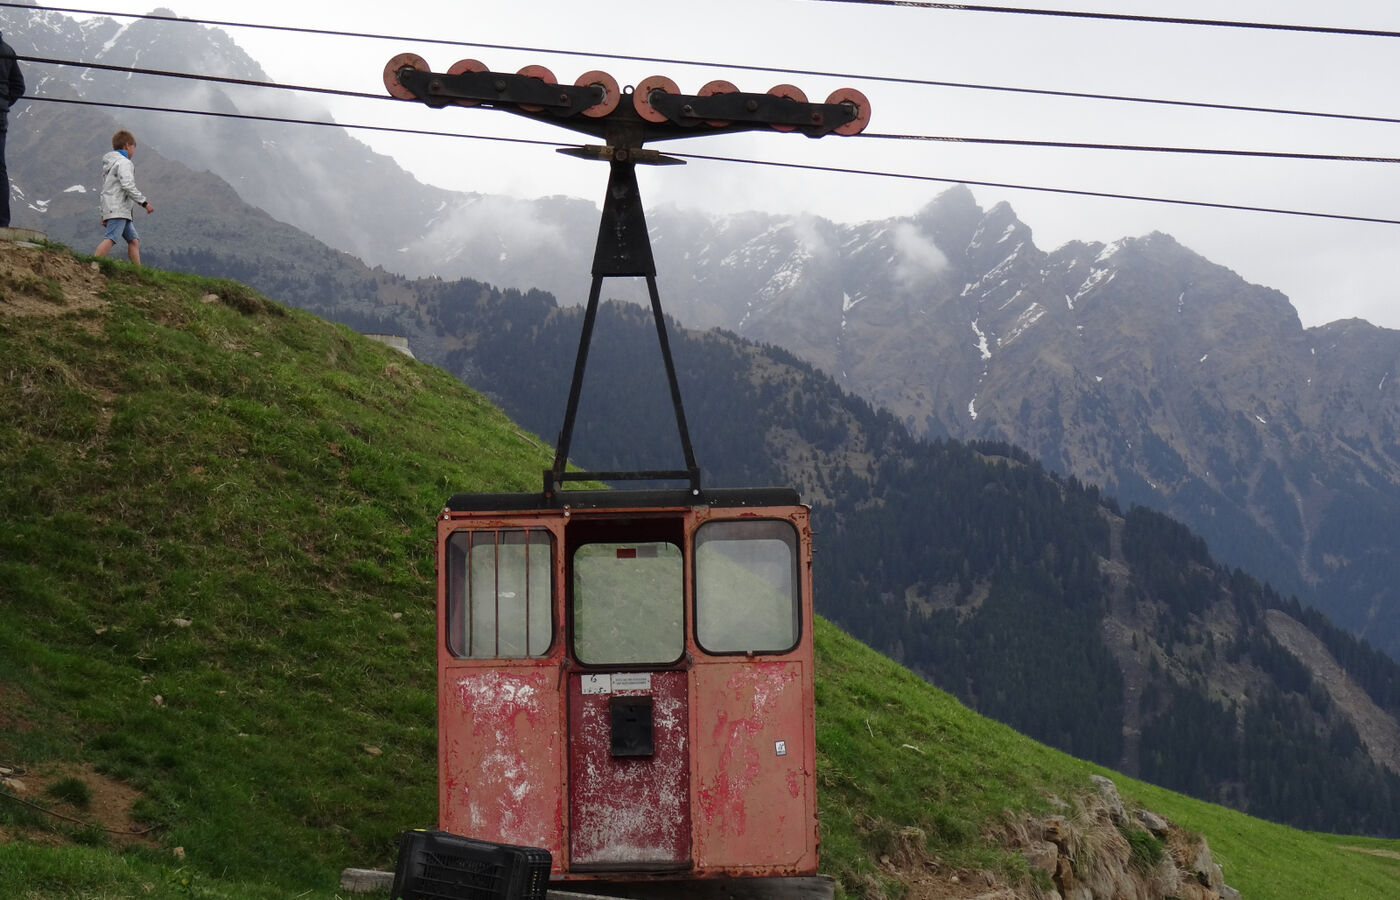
391,74
611,95
461,67
791,92
542,74
719,86
856,99
641,97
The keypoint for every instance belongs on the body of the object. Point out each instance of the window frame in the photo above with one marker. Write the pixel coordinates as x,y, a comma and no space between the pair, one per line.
793,541
572,599
460,609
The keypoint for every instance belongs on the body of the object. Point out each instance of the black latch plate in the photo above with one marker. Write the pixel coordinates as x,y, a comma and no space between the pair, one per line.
631,725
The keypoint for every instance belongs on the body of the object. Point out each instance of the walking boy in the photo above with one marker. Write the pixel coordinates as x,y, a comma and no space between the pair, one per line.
119,196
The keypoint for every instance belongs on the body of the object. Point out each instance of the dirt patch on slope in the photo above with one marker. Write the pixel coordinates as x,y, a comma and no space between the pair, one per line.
38,282
108,806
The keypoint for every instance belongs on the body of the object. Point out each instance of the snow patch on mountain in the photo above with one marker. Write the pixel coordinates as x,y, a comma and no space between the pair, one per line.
1097,278
1014,297
1024,321
112,41
982,346
1110,249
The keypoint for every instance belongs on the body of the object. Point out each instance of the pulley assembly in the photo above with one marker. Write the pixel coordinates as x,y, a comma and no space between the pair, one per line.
595,105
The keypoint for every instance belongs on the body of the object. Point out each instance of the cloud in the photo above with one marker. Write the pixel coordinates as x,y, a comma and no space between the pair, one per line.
917,259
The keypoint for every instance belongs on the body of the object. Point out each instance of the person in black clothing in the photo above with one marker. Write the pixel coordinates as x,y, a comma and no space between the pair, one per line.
12,87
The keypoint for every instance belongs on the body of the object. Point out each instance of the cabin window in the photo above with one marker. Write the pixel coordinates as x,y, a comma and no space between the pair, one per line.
498,593
628,603
746,586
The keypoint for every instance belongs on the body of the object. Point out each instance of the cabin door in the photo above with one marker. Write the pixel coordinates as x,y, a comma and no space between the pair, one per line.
629,763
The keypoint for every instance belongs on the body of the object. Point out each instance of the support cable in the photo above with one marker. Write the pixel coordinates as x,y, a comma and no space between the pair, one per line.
730,159
1008,142
887,79
1127,17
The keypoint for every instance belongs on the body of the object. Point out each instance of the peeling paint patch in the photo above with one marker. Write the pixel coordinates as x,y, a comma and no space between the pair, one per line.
750,802
501,756
630,809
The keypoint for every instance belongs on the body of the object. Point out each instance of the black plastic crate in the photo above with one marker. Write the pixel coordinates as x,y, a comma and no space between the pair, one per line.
438,865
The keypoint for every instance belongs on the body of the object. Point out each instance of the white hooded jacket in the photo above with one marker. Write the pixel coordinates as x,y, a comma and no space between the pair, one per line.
119,191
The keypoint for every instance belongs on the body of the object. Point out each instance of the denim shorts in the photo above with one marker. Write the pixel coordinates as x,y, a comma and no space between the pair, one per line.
121,228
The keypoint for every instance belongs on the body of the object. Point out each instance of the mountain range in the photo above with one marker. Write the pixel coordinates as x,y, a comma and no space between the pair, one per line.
1137,371
1138,366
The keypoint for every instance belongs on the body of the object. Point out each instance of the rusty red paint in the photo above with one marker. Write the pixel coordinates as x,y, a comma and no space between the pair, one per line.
524,754
758,749
500,752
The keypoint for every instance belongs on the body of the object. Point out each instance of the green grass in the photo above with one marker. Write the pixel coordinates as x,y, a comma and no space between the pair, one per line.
216,576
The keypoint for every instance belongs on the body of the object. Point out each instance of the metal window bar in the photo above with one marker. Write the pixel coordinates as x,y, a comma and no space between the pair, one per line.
473,641
496,579
528,596
471,594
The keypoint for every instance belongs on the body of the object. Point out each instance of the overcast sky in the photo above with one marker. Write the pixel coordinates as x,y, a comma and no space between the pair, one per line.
1330,269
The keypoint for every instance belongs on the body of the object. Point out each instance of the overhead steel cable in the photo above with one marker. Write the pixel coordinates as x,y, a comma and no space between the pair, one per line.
757,162
1050,190
217,79
1141,148
885,79
1128,17
1009,142
294,121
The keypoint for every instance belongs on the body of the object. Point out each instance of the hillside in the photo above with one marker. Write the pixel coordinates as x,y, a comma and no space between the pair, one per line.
215,565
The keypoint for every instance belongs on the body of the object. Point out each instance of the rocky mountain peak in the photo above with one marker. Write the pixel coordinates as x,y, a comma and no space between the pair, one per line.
950,219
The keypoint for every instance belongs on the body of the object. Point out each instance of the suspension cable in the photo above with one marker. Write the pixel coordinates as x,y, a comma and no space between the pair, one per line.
759,162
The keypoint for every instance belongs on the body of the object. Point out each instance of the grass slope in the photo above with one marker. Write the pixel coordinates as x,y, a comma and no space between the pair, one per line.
216,582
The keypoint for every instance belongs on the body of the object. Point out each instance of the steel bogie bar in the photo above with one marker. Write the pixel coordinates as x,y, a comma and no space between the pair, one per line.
657,104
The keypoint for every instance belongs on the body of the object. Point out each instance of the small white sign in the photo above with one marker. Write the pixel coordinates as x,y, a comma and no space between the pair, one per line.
631,681
780,747
597,684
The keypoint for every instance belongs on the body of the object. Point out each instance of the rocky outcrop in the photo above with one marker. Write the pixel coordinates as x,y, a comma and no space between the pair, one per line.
1101,850
1096,848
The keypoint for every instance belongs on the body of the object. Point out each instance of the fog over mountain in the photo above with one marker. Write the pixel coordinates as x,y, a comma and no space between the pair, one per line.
319,179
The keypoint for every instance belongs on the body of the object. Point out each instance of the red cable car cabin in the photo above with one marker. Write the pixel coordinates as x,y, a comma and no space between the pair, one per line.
625,680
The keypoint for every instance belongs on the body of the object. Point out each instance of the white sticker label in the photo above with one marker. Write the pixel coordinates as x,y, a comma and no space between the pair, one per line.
631,681
597,684
780,747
